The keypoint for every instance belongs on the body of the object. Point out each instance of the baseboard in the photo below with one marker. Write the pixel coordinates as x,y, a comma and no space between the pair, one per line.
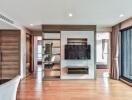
124,81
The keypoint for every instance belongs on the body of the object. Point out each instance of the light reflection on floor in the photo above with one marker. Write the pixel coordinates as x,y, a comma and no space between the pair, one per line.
39,74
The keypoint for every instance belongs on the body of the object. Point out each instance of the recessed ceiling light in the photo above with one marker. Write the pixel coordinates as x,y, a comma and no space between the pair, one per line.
121,15
31,24
70,14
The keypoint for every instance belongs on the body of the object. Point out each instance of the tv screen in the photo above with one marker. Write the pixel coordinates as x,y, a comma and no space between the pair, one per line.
77,51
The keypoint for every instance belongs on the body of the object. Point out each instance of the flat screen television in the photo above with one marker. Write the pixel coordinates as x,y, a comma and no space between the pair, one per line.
77,52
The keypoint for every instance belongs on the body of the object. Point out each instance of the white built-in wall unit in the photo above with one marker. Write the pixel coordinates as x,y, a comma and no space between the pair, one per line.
75,36
79,63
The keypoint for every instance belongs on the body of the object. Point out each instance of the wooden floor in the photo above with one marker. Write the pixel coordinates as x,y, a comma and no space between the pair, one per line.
101,89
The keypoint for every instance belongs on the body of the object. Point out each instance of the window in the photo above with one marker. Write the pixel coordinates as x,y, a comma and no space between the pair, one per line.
126,54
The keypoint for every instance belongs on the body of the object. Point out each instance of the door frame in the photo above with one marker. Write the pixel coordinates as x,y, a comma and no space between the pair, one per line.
31,68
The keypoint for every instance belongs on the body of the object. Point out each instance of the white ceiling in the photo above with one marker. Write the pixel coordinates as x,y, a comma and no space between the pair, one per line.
37,12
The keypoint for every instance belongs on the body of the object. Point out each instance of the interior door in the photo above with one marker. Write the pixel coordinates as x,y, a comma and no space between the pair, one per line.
28,54
9,53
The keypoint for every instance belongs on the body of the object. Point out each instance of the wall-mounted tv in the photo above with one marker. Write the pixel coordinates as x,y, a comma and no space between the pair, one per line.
77,52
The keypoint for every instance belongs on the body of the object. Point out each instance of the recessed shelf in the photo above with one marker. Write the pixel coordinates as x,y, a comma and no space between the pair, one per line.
77,70
52,32
52,77
50,63
51,39
53,47
51,54
77,41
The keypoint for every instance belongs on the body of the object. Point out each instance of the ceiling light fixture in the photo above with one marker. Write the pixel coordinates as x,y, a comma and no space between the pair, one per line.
121,15
31,24
70,14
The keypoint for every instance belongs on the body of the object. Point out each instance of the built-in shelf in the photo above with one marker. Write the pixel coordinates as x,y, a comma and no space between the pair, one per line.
77,41
53,47
52,77
52,39
77,70
50,69
51,52
49,62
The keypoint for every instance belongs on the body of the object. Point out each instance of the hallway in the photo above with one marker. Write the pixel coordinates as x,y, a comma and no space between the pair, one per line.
100,89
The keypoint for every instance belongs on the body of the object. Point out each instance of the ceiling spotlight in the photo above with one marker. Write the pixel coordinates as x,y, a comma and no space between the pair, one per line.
31,24
121,15
70,14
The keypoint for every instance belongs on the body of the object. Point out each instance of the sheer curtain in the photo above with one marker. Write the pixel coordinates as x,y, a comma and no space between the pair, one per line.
115,36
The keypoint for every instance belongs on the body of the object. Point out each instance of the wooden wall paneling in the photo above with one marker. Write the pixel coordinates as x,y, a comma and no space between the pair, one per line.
10,47
78,27
58,28
36,33
51,28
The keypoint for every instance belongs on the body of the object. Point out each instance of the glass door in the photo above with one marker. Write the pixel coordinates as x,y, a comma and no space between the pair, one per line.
126,54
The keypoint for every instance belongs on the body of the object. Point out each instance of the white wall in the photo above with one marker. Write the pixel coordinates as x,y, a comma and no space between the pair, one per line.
23,53
90,63
35,52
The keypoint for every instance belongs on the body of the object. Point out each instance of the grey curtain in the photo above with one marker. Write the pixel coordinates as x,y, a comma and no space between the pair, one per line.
126,53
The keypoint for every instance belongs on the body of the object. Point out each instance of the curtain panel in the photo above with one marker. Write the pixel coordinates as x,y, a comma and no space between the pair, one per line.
126,53
114,69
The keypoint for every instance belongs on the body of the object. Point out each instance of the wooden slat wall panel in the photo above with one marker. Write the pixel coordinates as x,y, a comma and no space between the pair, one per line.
10,48
58,28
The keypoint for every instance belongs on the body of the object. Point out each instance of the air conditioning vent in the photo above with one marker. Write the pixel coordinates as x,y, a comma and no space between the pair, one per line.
6,19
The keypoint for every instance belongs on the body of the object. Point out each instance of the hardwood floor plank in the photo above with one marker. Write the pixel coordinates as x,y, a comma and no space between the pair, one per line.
101,89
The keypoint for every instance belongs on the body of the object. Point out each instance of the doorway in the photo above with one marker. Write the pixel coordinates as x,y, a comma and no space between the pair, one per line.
103,54
28,54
